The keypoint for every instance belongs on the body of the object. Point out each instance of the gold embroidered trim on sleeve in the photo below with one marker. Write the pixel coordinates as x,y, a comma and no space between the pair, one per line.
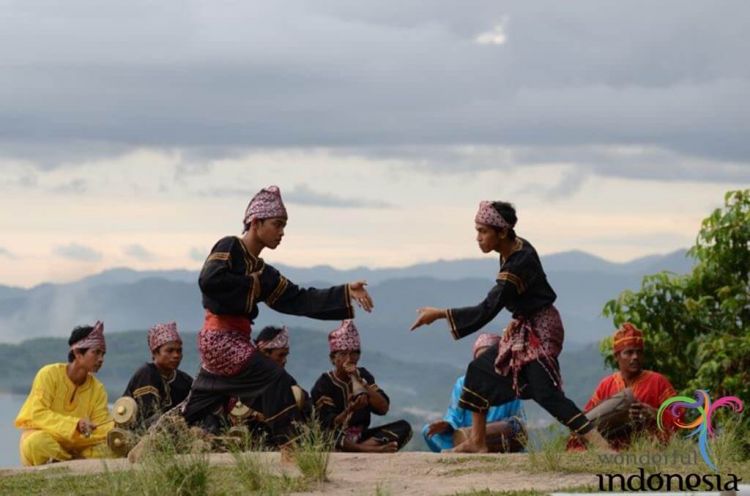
324,400
276,294
143,391
348,300
573,418
221,256
587,424
517,281
452,323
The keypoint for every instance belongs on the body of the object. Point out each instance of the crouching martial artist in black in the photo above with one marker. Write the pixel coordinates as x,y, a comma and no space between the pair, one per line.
233,281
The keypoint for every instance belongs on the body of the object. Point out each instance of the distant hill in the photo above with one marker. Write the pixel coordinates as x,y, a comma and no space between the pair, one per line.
569,261
127,299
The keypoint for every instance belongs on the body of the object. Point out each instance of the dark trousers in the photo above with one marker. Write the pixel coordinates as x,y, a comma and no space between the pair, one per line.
262,384
399,431
484,387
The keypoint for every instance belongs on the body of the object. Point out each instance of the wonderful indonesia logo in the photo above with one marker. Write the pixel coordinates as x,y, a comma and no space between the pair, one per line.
701,428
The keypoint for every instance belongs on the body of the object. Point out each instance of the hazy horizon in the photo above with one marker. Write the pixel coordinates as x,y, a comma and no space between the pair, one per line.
196,267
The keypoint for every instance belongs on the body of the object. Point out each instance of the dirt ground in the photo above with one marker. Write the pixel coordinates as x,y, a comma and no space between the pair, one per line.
410,473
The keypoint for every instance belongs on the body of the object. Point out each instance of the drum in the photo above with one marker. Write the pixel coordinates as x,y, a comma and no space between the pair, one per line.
612,415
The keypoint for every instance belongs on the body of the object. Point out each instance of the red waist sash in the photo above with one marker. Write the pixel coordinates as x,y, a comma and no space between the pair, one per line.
238,323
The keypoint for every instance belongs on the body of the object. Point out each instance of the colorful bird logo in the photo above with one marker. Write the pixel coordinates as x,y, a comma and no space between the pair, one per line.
701,426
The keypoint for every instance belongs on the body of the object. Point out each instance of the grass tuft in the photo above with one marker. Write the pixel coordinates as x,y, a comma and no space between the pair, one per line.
311,451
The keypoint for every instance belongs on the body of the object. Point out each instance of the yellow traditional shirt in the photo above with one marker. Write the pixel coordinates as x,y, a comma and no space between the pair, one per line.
55,405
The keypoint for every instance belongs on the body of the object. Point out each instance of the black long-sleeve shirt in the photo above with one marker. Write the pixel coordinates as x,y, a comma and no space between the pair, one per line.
331,396
155,394
521,286
229,288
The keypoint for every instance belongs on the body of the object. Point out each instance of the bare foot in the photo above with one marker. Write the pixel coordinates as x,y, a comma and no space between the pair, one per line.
375,447
469,446
391,447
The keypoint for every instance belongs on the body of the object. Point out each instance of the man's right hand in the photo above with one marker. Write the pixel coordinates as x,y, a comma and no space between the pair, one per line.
438,427
85,427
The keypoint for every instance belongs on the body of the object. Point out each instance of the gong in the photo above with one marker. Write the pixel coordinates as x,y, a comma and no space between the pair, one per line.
121,441
124,410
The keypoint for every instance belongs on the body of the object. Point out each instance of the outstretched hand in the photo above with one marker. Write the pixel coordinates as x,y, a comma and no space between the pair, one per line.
427,315
358,293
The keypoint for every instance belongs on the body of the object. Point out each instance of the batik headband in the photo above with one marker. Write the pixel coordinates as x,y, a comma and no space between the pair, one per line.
265,204
344,338
95,339
489,216
280,341
161,334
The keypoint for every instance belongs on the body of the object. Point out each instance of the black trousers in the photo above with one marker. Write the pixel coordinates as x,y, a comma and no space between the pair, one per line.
399,431
262,384
484,387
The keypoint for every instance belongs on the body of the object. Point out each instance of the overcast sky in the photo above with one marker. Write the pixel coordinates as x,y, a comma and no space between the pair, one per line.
134,133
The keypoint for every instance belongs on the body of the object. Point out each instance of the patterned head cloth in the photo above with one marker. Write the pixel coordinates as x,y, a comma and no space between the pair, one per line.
95,339
344,338
161,334
280,341
627,336
265,204
483,341
489,216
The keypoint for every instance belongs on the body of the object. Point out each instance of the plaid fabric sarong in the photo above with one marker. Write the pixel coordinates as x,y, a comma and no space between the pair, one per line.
528,339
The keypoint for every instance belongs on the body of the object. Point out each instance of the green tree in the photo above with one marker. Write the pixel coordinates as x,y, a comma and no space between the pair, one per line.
697,326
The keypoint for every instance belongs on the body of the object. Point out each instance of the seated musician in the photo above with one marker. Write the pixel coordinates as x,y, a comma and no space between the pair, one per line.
65,415
347,396
643,391
159,385
504,425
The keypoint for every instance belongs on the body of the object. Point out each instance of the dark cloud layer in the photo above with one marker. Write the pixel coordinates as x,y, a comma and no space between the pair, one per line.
83,80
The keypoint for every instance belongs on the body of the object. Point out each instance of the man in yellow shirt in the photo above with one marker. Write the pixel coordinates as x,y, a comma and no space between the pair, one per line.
65,415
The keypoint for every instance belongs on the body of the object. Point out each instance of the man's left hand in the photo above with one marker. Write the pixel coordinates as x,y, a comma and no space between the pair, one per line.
642,413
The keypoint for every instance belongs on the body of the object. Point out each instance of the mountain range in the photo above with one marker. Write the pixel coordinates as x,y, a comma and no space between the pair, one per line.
126,299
